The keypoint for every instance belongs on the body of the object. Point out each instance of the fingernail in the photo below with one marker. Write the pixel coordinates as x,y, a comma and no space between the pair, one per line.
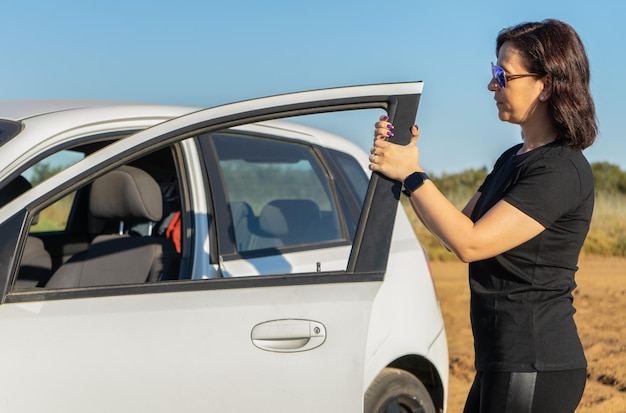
385,118
390,126
390,133
417,127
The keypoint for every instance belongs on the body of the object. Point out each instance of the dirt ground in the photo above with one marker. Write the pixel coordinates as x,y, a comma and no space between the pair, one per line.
601,318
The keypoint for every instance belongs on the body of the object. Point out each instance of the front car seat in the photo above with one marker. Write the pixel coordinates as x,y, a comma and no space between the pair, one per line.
125,194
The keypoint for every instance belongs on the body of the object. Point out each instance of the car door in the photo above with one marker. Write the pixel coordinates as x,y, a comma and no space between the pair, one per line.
280,342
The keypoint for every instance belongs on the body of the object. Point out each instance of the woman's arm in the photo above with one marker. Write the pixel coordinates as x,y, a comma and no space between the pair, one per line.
424,223
503,227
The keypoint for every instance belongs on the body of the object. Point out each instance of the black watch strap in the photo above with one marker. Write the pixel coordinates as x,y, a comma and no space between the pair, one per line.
414,181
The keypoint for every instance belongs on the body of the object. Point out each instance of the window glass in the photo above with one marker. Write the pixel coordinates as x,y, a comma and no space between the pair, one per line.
279,194
53,218
123,227
52,165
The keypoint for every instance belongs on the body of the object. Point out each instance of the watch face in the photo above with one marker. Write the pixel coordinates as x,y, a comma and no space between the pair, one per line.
414,181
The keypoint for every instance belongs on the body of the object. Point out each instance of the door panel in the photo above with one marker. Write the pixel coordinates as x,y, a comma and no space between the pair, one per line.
193,350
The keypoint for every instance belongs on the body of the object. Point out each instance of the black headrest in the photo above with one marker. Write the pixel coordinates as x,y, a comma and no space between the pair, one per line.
126,193
288,216
14,188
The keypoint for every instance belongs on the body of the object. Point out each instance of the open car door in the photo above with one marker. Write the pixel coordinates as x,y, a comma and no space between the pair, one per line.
281,342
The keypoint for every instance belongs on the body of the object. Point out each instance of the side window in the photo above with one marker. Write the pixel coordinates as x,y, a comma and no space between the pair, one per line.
51,165
124,227
278,192
55,217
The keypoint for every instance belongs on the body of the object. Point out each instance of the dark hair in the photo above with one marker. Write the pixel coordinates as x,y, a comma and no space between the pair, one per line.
553,48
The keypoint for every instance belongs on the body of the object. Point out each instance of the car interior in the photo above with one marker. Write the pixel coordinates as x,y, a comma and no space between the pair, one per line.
116,255
119,229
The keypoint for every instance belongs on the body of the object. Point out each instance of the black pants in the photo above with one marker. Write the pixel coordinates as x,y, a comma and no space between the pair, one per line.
526,392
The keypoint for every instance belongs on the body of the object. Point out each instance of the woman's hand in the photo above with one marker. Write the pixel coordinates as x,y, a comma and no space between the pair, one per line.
393,160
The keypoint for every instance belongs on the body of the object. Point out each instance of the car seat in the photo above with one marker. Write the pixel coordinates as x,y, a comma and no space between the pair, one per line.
125,194
243,222
36,264
284,222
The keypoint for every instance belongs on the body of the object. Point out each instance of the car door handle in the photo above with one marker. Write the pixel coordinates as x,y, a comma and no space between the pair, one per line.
287,336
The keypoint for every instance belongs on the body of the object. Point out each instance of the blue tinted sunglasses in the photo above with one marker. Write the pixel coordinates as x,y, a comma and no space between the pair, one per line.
502,77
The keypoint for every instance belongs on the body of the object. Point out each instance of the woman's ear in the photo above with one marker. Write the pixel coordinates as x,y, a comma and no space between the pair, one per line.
546,91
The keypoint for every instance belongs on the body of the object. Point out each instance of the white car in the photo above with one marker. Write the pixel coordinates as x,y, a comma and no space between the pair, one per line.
169,259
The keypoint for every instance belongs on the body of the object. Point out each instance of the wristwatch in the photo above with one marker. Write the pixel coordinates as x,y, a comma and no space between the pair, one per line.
414,181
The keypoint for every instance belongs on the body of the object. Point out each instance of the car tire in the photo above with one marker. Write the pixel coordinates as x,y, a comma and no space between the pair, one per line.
396,390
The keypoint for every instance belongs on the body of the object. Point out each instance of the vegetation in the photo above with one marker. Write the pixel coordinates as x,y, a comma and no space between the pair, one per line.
607,233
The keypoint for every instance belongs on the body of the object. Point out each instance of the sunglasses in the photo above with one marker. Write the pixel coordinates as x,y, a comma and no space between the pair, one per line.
502,77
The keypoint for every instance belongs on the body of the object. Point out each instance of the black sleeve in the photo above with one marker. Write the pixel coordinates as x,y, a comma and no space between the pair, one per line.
547,190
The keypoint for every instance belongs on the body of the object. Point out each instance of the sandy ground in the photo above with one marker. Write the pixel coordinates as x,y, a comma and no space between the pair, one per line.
601,318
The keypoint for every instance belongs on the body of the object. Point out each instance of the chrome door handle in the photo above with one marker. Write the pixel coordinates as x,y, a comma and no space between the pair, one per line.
286,336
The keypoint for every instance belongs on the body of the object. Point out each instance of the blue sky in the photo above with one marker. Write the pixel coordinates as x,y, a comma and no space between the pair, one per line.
206,53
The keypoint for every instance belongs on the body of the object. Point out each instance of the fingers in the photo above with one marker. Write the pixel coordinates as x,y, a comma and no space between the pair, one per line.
415,134
382,128
375,160
383,131
391,159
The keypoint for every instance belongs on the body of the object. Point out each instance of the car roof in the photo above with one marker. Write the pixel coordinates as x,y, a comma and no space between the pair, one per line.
45,119
19,110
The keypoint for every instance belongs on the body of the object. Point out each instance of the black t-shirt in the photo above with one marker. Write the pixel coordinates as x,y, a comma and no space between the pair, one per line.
521,300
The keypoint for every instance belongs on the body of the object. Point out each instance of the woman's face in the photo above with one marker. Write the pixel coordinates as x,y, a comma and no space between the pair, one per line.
519,101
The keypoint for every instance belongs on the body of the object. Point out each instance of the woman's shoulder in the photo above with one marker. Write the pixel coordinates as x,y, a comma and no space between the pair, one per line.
560,153
563,162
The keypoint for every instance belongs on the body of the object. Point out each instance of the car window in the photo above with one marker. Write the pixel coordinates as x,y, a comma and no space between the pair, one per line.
52,164
124,227
278,192
55,217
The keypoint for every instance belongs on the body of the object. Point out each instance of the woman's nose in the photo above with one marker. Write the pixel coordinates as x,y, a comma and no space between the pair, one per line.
492,86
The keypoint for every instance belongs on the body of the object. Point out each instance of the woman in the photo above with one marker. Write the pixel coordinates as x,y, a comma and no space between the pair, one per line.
523,230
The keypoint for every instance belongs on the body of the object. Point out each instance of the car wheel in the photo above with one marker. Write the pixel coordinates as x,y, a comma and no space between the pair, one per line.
398,391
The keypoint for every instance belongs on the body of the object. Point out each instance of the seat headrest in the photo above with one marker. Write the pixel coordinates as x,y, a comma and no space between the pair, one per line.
126,193
288,216
13,189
